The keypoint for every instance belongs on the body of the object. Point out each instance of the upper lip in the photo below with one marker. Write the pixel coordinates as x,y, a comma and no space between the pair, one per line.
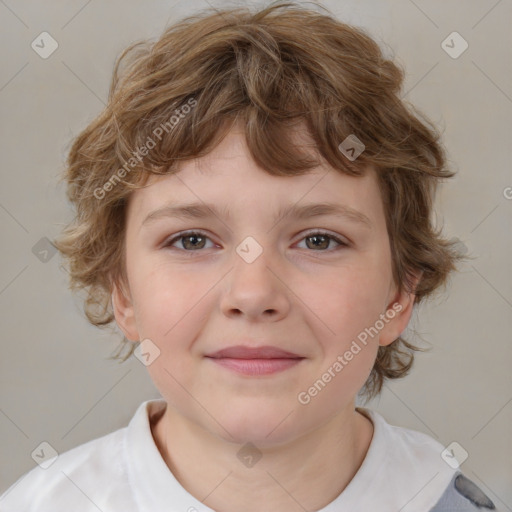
244,352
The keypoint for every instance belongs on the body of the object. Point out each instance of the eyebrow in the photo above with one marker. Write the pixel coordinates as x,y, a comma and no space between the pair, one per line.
205,210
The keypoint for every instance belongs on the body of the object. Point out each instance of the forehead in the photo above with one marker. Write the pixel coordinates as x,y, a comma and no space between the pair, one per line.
229,178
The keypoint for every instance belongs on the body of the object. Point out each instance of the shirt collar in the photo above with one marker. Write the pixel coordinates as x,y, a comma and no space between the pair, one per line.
378,479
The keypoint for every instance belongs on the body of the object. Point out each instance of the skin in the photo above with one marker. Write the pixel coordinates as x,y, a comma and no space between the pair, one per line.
301,298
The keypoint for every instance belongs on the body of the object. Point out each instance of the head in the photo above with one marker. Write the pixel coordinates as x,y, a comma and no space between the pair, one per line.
245,112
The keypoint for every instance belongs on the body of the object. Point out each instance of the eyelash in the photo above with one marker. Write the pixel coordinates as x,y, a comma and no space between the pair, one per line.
185,234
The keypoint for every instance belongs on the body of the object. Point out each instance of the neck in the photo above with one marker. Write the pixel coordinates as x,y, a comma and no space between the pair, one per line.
306,473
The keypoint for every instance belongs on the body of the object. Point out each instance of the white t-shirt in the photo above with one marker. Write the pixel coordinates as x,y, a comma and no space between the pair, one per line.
124,472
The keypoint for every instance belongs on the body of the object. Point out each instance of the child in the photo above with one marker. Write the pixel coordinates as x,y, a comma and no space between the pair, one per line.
254,212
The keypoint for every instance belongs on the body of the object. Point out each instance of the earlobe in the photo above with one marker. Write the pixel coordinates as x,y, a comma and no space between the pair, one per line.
399,311
124,313
399,314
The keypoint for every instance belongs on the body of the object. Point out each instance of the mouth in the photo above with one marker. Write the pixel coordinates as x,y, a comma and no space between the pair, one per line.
255,361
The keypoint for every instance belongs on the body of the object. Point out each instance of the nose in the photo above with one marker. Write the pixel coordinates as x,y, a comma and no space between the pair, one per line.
256,289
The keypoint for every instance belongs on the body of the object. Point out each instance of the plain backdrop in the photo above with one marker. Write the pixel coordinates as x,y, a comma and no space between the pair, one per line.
57,384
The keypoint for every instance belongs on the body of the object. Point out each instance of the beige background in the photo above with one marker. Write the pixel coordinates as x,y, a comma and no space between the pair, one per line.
56,383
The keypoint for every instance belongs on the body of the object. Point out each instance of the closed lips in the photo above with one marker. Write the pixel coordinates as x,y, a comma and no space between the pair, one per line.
244,352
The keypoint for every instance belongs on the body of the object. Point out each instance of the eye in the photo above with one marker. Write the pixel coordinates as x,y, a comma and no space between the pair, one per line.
321,239
192,241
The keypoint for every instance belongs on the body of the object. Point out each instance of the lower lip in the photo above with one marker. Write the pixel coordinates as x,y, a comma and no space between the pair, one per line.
256,366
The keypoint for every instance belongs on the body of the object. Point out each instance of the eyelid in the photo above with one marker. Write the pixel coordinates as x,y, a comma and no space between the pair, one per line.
187,232
320,231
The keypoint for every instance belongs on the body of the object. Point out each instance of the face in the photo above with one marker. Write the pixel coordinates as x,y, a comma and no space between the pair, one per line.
244,275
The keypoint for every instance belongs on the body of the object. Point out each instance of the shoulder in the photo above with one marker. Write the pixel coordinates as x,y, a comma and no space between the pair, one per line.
83,478
463,495
422,479
406,466
409,448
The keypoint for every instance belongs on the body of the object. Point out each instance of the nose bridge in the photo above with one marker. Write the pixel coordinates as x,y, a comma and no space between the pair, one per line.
253,257
251,250
253,287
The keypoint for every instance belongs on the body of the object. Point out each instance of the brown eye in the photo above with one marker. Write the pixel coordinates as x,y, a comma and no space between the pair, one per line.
196,241
190,241
321,241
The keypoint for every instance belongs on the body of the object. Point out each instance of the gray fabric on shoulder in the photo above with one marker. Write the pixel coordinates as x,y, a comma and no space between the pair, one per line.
463,495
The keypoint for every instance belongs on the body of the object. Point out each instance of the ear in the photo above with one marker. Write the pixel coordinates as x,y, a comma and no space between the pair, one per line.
398,312
124,311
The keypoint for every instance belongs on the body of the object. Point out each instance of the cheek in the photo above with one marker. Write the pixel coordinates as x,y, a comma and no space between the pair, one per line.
346,302
168,301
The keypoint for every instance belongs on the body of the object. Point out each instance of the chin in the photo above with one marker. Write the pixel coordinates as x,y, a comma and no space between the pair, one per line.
260,427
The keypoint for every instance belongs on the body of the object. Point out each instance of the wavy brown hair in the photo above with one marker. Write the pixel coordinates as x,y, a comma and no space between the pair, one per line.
270,70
